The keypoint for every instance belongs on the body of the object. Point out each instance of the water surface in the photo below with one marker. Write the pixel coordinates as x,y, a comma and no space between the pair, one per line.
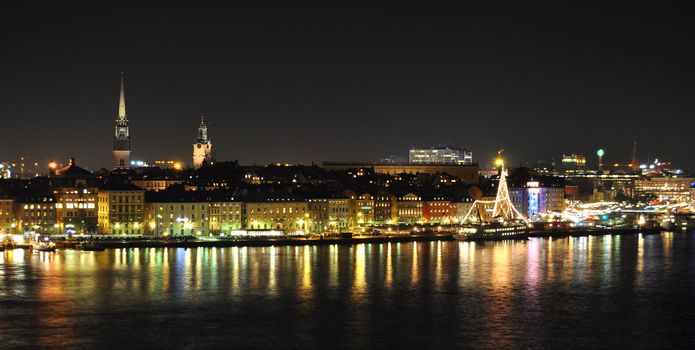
610,292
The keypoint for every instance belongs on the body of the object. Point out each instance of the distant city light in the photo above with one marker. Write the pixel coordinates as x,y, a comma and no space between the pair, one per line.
600,152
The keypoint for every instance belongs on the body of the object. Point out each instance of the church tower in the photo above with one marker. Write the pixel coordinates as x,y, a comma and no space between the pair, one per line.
121,139
202,148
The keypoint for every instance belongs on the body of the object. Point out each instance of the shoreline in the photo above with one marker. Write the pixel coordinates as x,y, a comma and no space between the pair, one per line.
267,242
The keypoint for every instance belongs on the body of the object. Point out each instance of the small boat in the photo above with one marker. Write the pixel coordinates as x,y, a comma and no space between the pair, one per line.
668,225
46,248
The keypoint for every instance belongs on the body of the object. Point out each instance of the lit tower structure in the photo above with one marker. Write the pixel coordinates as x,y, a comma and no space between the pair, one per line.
121,138
202,148
502,208
600,154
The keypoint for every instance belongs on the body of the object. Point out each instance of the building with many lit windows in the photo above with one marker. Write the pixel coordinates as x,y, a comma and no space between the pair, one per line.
440,155
437,210
35,212
385,208
225,215
121,209
177,213
76,196
573,161
330,213
275,211
7,220
672,189
410,209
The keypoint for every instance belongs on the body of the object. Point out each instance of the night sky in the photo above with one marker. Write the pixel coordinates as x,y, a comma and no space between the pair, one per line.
301,85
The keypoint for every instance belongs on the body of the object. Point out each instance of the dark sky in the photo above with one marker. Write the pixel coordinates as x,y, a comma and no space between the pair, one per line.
301,85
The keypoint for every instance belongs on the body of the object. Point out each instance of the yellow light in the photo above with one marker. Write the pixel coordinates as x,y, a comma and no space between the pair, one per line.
499,162
178,166
52,165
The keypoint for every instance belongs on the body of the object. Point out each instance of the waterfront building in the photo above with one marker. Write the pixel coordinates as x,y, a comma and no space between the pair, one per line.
177,213
364,209
672,189
121,209
440,155
35,212
437,210
536,199
460,209
225,214
76,196
275,211
535,195
329,214
121,138
202,148
385,208
7,218
410,209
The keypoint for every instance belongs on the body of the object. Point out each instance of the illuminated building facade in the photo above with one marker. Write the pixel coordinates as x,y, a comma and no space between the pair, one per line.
7,218
35,212
440,155
225,216
121,138
202,148
460,209
174,218
275,211
364,209
385,208
672,189
537,198
573,161
121,209
329,214
410,209
437,209
76,198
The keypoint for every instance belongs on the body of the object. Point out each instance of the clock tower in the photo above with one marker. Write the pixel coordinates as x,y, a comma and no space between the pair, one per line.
202,148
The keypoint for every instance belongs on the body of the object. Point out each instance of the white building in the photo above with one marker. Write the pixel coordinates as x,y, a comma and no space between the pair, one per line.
440,155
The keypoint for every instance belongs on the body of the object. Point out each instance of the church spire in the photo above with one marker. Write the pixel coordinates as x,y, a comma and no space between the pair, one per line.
121,103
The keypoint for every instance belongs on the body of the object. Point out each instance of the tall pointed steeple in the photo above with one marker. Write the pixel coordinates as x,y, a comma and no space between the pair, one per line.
121,102
121,137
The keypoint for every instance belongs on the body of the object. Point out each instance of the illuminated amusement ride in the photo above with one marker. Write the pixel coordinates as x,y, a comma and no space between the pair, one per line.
504,221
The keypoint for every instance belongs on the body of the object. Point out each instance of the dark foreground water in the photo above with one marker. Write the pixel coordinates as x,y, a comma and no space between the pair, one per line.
589,292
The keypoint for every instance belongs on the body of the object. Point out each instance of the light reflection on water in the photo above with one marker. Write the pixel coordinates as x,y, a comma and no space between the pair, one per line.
496,294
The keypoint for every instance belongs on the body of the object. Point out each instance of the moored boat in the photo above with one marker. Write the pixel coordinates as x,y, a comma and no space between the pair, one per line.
492,232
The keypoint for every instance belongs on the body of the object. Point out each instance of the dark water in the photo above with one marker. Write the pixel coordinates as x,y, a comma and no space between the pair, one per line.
589,292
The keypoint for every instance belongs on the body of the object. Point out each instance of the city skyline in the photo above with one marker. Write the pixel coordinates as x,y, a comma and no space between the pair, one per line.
363,90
